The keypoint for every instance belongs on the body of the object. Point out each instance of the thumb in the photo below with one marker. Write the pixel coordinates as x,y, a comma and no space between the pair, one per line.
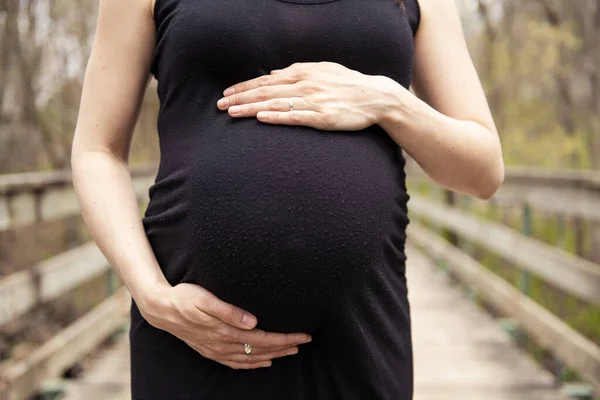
228,313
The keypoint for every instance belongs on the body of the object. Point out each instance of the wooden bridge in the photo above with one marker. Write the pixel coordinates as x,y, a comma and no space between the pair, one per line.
498,312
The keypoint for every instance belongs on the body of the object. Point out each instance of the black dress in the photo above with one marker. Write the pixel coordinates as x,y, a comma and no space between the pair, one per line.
302,227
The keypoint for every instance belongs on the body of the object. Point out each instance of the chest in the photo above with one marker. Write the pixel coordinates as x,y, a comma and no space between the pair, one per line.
250,37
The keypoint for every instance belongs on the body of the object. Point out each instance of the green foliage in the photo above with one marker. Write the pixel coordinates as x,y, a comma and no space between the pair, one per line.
524,71
553,149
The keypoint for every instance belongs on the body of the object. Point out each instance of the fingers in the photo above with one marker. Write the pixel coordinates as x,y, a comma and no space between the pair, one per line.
256,358
247,364
309,118
269,340
289,74
278,104
239,322
217,330
261,93
238,349
263,80
238,359
226,312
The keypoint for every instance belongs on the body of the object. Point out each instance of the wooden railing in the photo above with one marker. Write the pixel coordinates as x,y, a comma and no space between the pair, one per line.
30,199
562,194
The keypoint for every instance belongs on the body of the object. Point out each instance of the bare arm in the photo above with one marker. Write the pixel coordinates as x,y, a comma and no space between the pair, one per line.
116,77
115,80
448,129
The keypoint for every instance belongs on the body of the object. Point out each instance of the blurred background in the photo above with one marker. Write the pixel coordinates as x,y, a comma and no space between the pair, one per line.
539,62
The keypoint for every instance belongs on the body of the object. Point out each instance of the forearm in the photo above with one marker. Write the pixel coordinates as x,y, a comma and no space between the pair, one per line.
110,210
463,156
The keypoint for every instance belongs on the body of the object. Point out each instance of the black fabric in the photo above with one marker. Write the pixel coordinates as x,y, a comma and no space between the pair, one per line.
302,227
413,13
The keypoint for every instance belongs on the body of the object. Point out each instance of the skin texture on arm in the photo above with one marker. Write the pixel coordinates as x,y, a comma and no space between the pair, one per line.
448,129
115,81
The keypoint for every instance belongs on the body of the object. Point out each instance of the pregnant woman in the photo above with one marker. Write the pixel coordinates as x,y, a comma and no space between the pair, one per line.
270,263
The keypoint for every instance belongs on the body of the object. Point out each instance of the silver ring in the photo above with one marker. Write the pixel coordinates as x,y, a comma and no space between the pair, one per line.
247,348
291,105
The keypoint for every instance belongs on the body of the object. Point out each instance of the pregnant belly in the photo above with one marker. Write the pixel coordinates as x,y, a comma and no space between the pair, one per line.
281,225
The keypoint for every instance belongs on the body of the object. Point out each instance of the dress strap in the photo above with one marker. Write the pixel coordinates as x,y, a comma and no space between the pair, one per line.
413,12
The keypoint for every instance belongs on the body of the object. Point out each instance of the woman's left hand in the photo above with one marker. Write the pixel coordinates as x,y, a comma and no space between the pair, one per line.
325,95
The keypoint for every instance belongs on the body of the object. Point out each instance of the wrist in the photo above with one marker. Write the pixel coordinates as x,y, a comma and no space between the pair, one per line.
152,298
397,103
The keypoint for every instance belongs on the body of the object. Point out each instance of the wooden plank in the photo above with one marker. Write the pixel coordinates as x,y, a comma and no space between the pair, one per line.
568,193
548,330
32,181
569,202
18,294
66,348
40,181
560,178
108,377
70,269
4,214
525,176
57,203
46,281
53,198
460,352
572,274
3,391
45,196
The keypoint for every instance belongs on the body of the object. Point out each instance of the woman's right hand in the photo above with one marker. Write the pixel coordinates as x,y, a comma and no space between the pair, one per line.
216,329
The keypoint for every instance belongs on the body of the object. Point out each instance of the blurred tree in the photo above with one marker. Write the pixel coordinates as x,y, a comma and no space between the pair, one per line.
538,62
44,47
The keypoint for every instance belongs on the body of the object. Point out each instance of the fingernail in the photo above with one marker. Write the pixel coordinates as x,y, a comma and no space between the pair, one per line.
228,91
266,364
293,351
234,109
248,320
306,340
223,102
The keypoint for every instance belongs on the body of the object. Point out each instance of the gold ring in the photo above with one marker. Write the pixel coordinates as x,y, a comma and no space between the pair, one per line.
247,348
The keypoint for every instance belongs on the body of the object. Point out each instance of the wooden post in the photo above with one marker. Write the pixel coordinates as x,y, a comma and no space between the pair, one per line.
526,229
449,198
465,244
111,283
579,391
437,194
52,389
561,241
111,286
